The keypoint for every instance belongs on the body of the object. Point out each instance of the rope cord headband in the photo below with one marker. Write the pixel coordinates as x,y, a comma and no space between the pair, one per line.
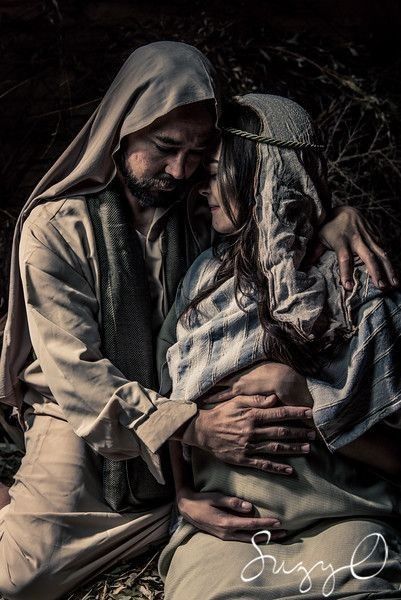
272,141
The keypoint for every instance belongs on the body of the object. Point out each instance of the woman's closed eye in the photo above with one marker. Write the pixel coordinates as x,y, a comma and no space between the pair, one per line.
211,169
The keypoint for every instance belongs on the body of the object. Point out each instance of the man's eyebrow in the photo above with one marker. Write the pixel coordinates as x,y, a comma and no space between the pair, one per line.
165,139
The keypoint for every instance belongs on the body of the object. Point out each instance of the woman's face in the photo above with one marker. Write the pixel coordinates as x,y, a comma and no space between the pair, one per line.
221,222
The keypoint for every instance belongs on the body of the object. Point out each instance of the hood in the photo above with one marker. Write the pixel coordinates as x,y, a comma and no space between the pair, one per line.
291,197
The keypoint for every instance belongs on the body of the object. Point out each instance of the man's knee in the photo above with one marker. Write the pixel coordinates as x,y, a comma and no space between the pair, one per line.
27,584
23,576
29,588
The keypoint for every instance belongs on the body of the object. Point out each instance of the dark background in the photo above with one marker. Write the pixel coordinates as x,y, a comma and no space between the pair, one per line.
339,59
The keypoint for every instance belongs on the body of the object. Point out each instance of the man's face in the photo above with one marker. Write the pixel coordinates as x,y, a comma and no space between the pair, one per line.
159,159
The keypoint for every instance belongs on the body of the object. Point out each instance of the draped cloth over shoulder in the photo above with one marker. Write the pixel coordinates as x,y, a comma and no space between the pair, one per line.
292,198
153,81
126,330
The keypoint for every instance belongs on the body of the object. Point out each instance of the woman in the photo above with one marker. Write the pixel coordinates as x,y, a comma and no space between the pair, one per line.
252,298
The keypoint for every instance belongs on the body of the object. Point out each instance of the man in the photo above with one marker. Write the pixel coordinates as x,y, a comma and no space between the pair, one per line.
98,253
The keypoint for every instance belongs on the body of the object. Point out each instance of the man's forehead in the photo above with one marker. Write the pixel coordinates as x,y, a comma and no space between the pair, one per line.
175,132
197,116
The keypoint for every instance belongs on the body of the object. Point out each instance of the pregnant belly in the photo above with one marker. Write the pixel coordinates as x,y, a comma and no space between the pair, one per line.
324,486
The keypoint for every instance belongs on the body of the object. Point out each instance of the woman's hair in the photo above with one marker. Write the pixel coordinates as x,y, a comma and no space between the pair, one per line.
238,252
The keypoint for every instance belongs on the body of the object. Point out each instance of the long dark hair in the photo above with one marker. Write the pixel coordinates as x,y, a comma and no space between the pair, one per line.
238,252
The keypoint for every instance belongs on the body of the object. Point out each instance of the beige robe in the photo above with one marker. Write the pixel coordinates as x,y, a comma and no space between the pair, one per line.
118,418
58,531
332,508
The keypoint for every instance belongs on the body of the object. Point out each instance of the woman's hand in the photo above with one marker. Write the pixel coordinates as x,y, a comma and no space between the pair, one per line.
225,517
349,234
264,379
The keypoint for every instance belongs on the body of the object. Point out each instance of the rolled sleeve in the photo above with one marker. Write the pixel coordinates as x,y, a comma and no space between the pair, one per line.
169,417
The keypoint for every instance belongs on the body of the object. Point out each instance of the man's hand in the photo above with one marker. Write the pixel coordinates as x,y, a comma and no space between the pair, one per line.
349,235
225,517
243,430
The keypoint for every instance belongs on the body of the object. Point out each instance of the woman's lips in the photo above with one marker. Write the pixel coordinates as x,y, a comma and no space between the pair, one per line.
213,207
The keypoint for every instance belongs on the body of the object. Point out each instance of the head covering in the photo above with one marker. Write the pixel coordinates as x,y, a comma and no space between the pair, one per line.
154,80
255,137
291,198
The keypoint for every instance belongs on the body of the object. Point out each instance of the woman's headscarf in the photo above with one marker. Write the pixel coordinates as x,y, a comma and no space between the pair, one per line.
153,81
292,198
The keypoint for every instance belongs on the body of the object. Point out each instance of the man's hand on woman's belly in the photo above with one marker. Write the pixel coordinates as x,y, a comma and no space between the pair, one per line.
250,430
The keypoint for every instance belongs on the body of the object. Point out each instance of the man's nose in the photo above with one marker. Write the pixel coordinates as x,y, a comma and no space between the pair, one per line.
204,189
177,167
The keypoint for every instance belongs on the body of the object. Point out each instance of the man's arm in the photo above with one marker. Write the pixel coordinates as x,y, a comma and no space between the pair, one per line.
349,234
240,432
118,418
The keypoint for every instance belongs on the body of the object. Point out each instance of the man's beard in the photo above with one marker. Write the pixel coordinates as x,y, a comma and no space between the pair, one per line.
151,192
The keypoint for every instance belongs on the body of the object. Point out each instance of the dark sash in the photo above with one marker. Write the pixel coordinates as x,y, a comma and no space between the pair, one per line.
126,329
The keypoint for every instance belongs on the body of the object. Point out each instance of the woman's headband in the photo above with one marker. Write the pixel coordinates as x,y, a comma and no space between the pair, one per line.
272,141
